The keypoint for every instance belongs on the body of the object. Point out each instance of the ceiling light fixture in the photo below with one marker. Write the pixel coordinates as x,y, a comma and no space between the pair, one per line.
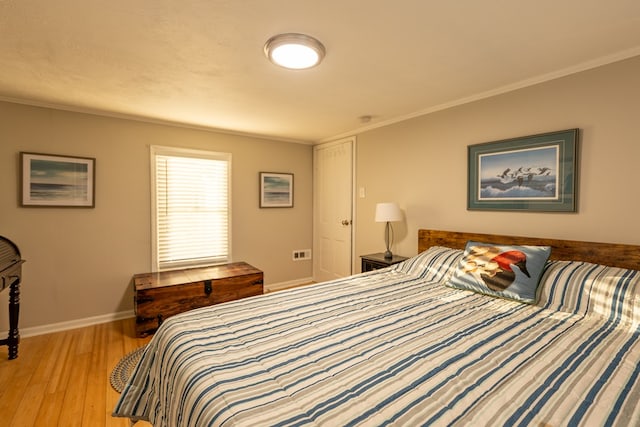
294,51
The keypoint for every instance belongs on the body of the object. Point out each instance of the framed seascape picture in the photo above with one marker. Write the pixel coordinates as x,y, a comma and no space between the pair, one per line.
531,173
276,190
53,180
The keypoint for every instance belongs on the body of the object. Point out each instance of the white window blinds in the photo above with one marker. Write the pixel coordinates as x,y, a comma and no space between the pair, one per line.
191,207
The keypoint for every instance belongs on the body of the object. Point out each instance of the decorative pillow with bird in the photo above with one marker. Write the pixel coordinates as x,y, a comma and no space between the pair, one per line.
502,271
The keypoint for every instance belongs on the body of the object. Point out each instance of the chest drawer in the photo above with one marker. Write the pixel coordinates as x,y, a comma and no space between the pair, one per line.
158,296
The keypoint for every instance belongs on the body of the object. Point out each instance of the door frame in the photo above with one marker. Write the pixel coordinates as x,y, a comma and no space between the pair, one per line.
316,147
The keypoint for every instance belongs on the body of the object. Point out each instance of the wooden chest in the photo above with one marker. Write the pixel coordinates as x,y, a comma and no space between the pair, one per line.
158,296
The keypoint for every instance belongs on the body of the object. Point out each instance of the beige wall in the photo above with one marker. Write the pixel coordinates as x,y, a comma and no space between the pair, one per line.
422,163
80,261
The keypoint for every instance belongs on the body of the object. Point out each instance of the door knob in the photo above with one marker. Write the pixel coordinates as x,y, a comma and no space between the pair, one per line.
346,222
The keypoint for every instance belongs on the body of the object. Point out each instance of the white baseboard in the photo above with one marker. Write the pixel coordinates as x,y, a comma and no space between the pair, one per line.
72,324
273,287
95,320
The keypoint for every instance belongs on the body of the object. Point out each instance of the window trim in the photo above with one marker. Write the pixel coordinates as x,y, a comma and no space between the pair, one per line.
155,150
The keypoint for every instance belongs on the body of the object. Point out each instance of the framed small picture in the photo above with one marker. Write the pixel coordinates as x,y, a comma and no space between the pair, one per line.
276,190
53,180
531,173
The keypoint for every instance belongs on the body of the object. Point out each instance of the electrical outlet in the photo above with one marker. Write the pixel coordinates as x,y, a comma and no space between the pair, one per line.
301,255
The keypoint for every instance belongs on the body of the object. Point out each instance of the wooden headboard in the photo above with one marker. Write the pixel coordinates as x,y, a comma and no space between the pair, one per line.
617,255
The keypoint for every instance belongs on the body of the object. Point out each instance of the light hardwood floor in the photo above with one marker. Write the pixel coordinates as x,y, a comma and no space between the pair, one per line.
62,379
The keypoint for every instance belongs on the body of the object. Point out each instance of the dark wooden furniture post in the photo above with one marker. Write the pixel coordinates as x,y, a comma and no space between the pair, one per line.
10,277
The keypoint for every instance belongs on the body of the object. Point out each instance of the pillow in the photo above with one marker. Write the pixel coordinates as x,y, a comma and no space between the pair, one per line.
436,264
592,290
511,272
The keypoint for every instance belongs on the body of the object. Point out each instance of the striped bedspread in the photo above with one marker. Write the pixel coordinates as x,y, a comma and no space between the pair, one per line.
398,347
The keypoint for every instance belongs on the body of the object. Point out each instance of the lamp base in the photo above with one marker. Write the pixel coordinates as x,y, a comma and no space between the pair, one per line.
388,230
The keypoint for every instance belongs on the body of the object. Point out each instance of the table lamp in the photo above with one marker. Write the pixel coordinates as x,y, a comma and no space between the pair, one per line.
388,212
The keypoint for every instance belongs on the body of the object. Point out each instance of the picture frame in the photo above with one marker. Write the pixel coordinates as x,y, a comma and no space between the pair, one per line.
276,190
52,180
531,173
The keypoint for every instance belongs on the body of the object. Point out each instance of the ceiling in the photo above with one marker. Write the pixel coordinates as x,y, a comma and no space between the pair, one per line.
201,63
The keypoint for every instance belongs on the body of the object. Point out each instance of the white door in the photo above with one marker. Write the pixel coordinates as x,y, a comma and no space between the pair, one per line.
333,209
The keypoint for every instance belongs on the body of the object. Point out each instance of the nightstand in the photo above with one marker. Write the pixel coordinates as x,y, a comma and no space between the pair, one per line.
375,261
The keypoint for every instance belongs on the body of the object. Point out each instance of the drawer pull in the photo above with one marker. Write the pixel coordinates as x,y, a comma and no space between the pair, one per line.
207,287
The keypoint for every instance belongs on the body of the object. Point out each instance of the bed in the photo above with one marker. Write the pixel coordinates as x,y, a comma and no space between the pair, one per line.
399,346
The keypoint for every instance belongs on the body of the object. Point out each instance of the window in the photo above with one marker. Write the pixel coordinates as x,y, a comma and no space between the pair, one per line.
190,207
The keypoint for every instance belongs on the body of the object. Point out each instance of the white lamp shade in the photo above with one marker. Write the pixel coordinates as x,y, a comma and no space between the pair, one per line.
388,212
